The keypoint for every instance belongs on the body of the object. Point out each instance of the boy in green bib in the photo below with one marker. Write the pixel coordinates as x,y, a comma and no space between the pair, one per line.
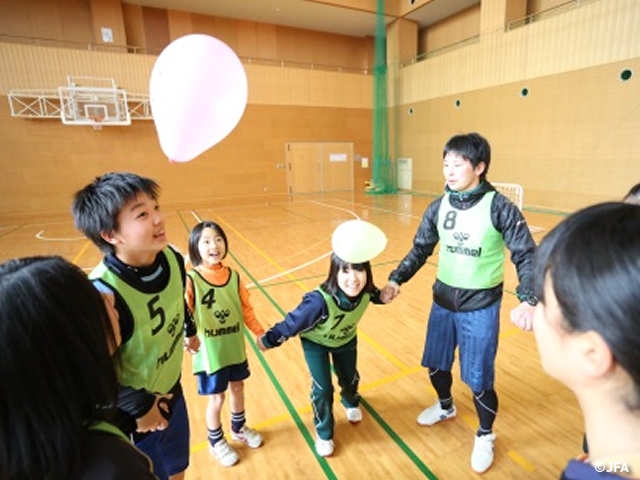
473,223
119,212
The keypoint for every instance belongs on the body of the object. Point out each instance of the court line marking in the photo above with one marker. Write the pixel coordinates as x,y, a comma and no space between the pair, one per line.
287,272
40,236
396,438
469,420
281,393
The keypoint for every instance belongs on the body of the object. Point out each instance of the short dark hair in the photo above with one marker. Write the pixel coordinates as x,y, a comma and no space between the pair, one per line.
194,239
593,260
330,285
95,207
56,369
472,147
633,196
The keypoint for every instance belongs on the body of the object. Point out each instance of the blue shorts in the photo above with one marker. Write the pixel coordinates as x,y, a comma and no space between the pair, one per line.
476,334
169,449
210,384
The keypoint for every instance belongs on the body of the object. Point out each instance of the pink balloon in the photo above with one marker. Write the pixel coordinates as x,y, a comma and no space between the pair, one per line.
198,93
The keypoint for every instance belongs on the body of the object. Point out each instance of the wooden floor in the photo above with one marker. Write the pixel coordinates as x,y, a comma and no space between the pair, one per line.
280,248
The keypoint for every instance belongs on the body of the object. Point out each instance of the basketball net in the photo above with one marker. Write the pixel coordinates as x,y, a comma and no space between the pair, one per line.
97,122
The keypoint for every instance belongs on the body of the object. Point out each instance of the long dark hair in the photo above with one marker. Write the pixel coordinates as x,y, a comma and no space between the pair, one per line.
55,366
593,260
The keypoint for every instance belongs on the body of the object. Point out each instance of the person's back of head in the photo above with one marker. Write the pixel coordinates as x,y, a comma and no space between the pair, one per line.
472,147
95,207
633,196
56,370
592,260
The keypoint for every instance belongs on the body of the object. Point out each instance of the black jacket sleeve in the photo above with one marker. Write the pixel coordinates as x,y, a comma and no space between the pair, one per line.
305,316
509,220
424,243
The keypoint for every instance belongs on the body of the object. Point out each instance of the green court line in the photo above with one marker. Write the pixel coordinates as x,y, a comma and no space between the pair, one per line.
281,393
385,426
396,438
291,409
329,473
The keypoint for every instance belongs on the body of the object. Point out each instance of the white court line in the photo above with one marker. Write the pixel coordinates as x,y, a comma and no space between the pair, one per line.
335,208
282,274
384,210
311,262
40,236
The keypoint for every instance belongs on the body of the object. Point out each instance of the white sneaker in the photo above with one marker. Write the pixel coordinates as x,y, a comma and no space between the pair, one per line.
249,436
226,455
354,415
435,413
324,448
482,456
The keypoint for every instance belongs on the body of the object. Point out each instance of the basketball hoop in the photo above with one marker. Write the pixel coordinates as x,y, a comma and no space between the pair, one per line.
97,122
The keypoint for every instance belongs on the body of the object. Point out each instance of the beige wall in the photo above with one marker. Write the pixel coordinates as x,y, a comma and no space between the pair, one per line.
571,141
43,162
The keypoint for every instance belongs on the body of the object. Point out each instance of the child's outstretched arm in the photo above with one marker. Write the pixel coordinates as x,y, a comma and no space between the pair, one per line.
311,311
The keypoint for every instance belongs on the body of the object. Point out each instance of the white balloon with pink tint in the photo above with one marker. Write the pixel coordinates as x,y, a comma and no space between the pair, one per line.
198,93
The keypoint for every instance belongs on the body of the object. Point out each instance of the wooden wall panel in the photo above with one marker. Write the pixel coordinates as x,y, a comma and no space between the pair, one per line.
14,18
44,19
515,10
493,15
56,20
180,24
43,161
595,34
537,6
570,142
256,40
134,27
108,13
77,23
156,29
458,27
402,41
29,67
149,30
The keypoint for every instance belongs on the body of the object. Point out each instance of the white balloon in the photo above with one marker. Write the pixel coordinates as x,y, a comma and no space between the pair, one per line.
358,241
198,93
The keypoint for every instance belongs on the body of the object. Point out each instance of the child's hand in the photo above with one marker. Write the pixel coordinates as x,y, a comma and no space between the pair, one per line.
390,291
192,344
522,316
155,419
260,343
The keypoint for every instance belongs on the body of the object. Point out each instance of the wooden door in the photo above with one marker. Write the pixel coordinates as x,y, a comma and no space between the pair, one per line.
319,167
